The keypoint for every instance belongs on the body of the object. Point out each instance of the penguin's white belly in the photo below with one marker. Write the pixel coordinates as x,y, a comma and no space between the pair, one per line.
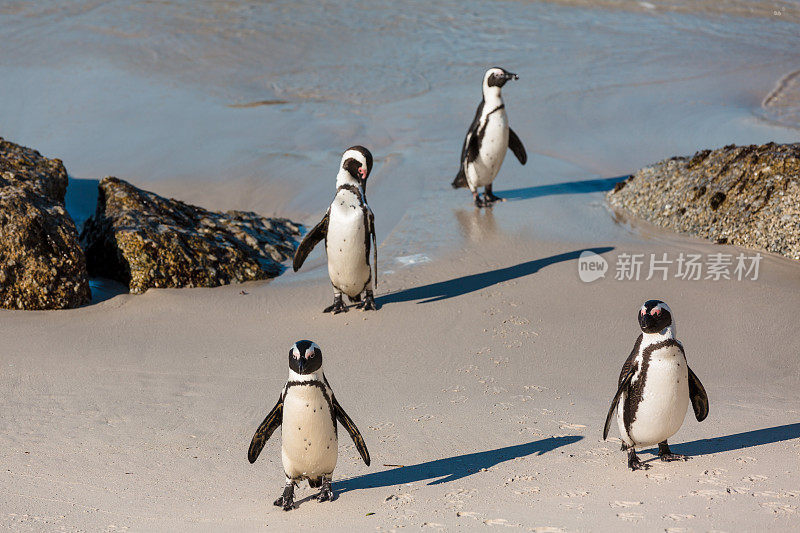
347,254
493,148
665,399
309,444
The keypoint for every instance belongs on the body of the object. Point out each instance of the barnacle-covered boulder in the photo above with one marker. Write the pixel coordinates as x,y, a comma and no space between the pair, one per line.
41,262
743,195
145,240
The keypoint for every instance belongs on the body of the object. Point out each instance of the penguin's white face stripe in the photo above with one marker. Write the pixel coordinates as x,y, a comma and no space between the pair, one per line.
489,72
354,154
308,353
657,310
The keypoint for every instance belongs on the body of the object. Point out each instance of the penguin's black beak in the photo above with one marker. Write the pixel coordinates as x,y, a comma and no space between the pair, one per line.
511,76
646,321
301,363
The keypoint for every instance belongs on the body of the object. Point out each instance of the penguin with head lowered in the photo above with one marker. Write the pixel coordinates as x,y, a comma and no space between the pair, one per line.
308,412
488,139
348,228
655,388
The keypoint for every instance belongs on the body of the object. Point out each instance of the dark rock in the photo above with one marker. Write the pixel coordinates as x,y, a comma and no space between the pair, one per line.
41,263
144,240
716,200
754,196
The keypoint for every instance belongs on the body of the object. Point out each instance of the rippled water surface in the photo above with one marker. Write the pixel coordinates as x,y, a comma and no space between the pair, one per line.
242,105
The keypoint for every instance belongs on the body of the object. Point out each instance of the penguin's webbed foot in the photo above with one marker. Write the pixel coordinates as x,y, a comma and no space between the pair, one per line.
634,463
286,501
326,494
489,197
666,455
479,200
337,307
369,303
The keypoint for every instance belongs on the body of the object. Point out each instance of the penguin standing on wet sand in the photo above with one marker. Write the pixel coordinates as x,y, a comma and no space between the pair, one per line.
348,229
655,388
487,140
308,411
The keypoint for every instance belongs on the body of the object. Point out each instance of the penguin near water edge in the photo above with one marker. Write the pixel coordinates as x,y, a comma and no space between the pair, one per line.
488,139
348,228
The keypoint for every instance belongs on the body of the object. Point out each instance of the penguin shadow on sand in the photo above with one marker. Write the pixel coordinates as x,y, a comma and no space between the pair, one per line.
442,290
452,468
737,441
570,187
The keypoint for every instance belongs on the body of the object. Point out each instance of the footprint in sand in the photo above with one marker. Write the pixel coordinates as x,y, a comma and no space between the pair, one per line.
746,459
568,425
779,508
527,490
623,503
707,493
630,517
678,517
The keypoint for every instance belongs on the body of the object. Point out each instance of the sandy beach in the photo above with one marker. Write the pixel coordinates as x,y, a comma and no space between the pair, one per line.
482,383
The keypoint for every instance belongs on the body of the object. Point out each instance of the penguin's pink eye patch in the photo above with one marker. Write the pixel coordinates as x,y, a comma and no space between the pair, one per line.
362,171
309,354
655,311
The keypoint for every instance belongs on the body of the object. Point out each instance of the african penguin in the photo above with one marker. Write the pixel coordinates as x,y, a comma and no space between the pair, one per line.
655,388
487,140
308,411
348,228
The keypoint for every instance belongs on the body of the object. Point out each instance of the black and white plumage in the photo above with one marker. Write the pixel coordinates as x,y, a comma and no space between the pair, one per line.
308,411
655,388
348,228
488,139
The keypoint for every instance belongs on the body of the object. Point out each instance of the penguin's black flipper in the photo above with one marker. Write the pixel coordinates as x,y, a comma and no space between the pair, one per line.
516,146
631,358
469,152
697,393
461,179
622,386
351,428
311,239
265,430
374,250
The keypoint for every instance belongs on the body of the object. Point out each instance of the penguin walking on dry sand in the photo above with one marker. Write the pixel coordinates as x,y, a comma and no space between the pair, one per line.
348,228
655,388
308,411
488,139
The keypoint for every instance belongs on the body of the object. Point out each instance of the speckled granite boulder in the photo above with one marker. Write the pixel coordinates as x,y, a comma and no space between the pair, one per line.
41,263
144,240
743,195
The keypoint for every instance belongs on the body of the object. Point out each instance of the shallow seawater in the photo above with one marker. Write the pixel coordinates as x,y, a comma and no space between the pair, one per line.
230,104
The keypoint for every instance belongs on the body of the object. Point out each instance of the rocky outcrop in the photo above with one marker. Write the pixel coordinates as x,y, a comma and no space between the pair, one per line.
41,263
743,195
144,240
